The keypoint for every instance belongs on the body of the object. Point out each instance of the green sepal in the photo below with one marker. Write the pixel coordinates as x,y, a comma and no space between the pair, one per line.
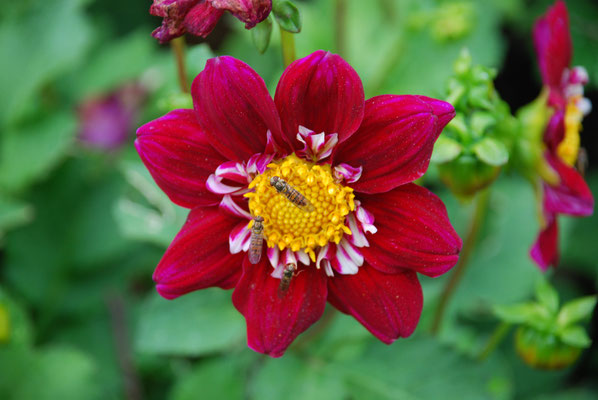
446,149
547,296
575,336
491,151
523,313
287,15
261,35
576,310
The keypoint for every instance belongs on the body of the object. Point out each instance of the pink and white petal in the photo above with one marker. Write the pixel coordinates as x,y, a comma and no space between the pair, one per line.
347,258
555,131
320,92
274,256
572,196
234,108
395,141
199,256
347,173
230,206
388,305
239,238
552,41
178,155
251,12
273,322
202,19
545,251
414,232
233,171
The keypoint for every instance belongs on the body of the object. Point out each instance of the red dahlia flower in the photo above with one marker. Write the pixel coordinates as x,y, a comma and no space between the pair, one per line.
199,17
564,189
354,160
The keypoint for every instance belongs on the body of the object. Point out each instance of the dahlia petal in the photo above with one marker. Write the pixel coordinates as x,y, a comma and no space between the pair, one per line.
233,171
545,251
347,173
320,92
347,258
389,306
572,196
273,322
414,232
273,256
234,107
555,131
552,41
179,157
230,206
173,12
251,12
395,141
202,19
239,238
199,256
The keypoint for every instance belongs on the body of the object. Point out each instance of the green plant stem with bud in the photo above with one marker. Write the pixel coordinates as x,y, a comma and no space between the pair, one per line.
287,44
479,214
178,48
497,337
340,26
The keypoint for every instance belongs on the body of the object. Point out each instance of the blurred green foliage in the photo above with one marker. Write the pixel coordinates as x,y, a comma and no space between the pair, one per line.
81,230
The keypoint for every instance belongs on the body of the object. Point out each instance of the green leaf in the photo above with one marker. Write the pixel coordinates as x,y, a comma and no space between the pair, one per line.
29,153
58,373
261,35
12,214
547,295
287,15
198,323
446,149
219,378
491,151
575,336
294,379
391,373
522,313
37,45
15,326
576,310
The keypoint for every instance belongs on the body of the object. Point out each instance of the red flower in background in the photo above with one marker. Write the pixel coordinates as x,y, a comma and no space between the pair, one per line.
566,192
371,230
199,17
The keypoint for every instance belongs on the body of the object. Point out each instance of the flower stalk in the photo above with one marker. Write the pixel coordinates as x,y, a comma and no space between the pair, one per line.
287,43
340,26
178,49
479,214
497,337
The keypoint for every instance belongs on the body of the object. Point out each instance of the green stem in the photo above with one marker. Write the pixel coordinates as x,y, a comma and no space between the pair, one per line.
497,336
287,43
479,214
178,48
340,26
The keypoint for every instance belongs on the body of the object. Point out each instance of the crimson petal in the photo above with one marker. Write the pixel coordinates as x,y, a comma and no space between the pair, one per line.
572,196
553,44
202,19
234,108
320,92
274,321
395,141
389,306
250,12
199,256
414,232
545,252
179,157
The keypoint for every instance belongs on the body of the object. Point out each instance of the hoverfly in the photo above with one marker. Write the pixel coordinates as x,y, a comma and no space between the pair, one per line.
582,161
285,281
257,240
291,194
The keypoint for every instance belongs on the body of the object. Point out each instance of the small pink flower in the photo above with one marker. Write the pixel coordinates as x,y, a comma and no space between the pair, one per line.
372,230
107,122
199,17
566,192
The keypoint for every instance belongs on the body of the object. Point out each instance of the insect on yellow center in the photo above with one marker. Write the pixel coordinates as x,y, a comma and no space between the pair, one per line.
568,149
289,226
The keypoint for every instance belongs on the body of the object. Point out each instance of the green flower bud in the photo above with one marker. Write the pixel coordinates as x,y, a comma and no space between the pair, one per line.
467,174
544,350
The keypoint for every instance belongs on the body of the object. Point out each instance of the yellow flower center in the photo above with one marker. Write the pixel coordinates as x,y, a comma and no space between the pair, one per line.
568,149
289,226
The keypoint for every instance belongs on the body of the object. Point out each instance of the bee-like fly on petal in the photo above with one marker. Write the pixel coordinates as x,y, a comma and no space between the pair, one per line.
291,194
257,240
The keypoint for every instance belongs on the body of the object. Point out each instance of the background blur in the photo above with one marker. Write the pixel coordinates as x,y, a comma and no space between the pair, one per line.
82,225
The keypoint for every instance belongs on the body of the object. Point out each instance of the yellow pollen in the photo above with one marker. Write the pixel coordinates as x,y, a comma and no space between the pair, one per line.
568,149
288,226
